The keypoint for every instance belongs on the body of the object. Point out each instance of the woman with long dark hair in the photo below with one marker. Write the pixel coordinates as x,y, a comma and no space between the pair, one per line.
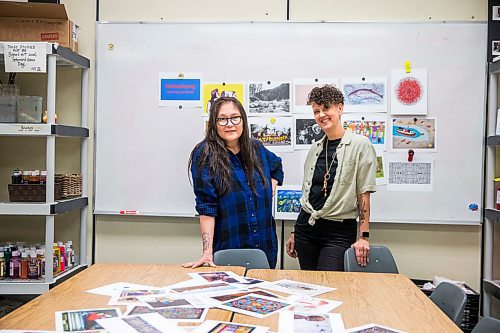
234,179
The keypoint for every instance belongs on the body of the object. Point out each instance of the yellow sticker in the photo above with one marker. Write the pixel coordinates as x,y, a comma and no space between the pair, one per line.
408,66
273,120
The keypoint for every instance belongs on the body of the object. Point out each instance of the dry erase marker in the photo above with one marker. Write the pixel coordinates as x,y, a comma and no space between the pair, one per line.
129,212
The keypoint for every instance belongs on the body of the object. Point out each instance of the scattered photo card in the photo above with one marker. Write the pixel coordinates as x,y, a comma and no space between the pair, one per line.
310,304
380,173
30,331
295,287
145,323
373,126
495,47
415,133
287,202
254,305
212,326
228,277
83,320
269,98
495,13
372,328
250,282
365,94
307,131
205,289
130,296
275,133
112,289
184,314
302,88
180,90
163,301
409,92
410,176
227,297
213,91
298,322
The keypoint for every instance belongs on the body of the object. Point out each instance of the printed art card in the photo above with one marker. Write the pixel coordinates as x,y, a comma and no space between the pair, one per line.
213,91
367,94
302,88
205,289
409,92
269,98
287,202
83,320
296,287
180,90
179,314
275,133
130,296
111,289
229,277
307,131
144,323
380,173
212,326
227,297
373,328
298,322
254,305
163,301
372,126
410,176
417,133
303,303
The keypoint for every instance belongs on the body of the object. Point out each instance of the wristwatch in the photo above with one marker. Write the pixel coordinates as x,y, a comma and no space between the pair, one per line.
365,234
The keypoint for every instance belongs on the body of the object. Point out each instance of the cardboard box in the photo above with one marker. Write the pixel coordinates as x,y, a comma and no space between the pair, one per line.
37,22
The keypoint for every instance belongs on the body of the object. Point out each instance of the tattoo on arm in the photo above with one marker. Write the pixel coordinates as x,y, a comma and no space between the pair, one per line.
362,210
205,238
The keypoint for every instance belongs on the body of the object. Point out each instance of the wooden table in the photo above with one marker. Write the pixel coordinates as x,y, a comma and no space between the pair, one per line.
70,295
386,299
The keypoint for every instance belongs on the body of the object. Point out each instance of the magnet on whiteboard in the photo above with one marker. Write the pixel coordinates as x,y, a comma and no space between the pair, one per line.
272,120
473,207
408,67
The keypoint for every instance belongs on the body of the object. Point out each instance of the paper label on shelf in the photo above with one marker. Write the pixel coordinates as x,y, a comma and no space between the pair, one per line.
25,57
29,128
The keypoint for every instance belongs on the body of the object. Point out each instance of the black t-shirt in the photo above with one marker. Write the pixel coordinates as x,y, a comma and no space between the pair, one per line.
317,197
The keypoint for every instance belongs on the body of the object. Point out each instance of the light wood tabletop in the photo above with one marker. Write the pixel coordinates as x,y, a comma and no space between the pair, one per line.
387,299
71,294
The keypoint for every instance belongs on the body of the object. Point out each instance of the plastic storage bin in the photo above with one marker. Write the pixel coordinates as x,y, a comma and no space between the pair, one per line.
29,109
8,112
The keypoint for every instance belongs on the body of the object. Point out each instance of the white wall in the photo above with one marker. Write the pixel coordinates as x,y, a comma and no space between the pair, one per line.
421,251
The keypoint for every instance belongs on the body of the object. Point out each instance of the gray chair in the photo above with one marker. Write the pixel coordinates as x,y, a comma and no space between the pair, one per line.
487,325
451,300
380,261
248,258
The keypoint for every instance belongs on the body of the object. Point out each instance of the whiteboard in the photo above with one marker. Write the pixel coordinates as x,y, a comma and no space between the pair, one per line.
142,149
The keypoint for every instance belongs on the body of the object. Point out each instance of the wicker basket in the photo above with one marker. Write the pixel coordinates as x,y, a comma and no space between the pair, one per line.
32,192
71,184
471,312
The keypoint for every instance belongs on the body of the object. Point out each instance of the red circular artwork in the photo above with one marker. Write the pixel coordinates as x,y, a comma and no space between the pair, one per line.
409,91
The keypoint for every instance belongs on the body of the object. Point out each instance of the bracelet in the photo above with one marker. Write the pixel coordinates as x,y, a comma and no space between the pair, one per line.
292,232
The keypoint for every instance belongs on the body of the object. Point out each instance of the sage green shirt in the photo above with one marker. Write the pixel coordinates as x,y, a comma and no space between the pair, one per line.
357,163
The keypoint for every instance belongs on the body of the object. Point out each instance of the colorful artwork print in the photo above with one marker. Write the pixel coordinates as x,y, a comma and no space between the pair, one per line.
289,201
213,91
164,302
231,328
274,133
218,276
410,176
302,88
140,325
81,320
409,91
187,314
414,133
373,328
256,304
224,298
267,97
373,129
364,93
311,323
379,173
307,131
296,287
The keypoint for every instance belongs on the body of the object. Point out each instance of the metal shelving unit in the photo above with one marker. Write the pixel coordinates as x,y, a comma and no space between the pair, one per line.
491,283
57,56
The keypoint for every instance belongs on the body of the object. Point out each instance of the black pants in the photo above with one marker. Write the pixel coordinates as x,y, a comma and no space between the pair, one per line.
321,247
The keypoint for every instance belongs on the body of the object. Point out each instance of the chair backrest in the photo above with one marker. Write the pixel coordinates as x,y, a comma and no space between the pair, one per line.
248,258
380,261
487,325
451,300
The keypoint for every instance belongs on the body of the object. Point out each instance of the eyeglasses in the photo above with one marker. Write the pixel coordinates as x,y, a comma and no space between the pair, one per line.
236,120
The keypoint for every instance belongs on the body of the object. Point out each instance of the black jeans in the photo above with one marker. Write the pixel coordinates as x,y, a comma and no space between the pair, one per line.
321,247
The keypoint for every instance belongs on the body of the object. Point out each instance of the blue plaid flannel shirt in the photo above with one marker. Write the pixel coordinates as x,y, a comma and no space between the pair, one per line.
243,219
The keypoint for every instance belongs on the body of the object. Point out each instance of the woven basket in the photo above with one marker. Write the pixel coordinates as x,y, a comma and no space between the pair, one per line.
71,184
471,312
32,192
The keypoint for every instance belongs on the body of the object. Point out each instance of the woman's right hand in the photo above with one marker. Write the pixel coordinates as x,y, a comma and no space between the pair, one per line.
205,259
290,246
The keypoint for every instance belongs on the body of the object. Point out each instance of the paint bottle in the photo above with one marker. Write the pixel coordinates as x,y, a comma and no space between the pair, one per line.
56,259
26,176
497,204
3,266
40,254
70,258
14,265
23,267
7,254
43,177
62,256
33,266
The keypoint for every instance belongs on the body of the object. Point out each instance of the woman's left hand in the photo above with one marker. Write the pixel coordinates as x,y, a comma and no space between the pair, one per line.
362,251
274,183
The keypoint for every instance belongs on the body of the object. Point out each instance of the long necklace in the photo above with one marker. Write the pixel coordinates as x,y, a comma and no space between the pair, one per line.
326,177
